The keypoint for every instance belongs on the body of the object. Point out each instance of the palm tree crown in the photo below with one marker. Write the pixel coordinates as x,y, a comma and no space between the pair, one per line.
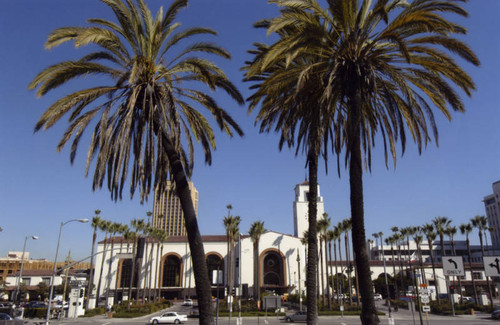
149,101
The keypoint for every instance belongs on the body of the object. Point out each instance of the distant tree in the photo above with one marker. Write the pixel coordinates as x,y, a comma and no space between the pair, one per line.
481,224
257,229
96,224
428,230
466,229
42,290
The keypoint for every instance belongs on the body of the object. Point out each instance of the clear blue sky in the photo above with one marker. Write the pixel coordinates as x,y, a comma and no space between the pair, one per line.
39,187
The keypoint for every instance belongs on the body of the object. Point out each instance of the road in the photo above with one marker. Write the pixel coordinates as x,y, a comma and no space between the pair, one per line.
402,317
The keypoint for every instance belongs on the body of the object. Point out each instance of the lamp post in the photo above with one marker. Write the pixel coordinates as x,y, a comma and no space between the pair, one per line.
55,266
379,235
22,264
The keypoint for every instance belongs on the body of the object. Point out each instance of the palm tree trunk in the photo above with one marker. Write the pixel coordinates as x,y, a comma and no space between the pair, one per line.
320,273
312,261
150,285
102,266
160,283
396,289
91,275
401,271
487,277
471,272
341,282
132,275
108,287
256,286
434,272
202,282
329,276
369,312
348,258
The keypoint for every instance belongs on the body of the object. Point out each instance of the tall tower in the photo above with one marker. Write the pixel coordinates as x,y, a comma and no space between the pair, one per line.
492,207
167,210
301,206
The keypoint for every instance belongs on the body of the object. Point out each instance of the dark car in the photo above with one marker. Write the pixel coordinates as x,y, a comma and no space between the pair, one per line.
4,316
300,316
495,314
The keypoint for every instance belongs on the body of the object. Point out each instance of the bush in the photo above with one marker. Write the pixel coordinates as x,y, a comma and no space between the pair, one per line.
94,312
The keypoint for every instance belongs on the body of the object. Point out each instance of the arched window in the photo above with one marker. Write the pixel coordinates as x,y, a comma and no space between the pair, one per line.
214,262
171,272
273,269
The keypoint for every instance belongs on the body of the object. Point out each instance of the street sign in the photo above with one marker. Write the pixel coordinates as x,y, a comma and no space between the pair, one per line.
426,308
453,266
424,299
491,265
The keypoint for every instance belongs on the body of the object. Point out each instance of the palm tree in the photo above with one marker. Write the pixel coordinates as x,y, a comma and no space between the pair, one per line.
96,224
322,228
440,224
481,223
113,229
289,105
391,240
123,229
466,229
428,230
451,231
162,237
346,227
371,74
138,226
105,227
232,225
331,235
255,232
147,111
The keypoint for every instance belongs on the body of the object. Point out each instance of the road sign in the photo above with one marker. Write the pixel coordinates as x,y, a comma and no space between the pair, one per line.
491,265
424,299
453,266
426,308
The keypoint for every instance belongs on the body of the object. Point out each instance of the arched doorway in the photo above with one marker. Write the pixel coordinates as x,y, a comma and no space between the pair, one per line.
215,262
171,276
273,271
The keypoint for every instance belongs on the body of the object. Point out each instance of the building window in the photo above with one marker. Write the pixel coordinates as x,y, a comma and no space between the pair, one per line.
26,281
273,269
46,281
477,275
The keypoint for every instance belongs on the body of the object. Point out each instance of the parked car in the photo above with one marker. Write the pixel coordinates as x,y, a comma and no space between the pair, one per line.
377,296
194,313
4,316
300,316
187,302
170,317
35,304
495,314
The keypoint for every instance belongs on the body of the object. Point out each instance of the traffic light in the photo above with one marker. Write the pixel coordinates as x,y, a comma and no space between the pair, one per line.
233,291
237,262
82,291
452,289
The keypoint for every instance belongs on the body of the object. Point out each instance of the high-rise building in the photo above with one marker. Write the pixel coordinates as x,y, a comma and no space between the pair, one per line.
167,210
301,206
492,207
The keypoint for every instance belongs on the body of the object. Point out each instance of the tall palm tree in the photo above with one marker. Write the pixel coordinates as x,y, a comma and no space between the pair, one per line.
322,228
346,227
451,231
428,230
440,224
162,237
331,235
481,223
391,240
105,227
113,229
255,232
371,74
232,225
96,224
123,229
138,226
399,239
147,109
466,229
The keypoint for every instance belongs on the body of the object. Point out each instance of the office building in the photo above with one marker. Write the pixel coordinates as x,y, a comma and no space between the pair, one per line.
167,210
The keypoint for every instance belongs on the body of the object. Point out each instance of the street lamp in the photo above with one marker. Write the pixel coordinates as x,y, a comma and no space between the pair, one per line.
55,266
379,235
22,264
